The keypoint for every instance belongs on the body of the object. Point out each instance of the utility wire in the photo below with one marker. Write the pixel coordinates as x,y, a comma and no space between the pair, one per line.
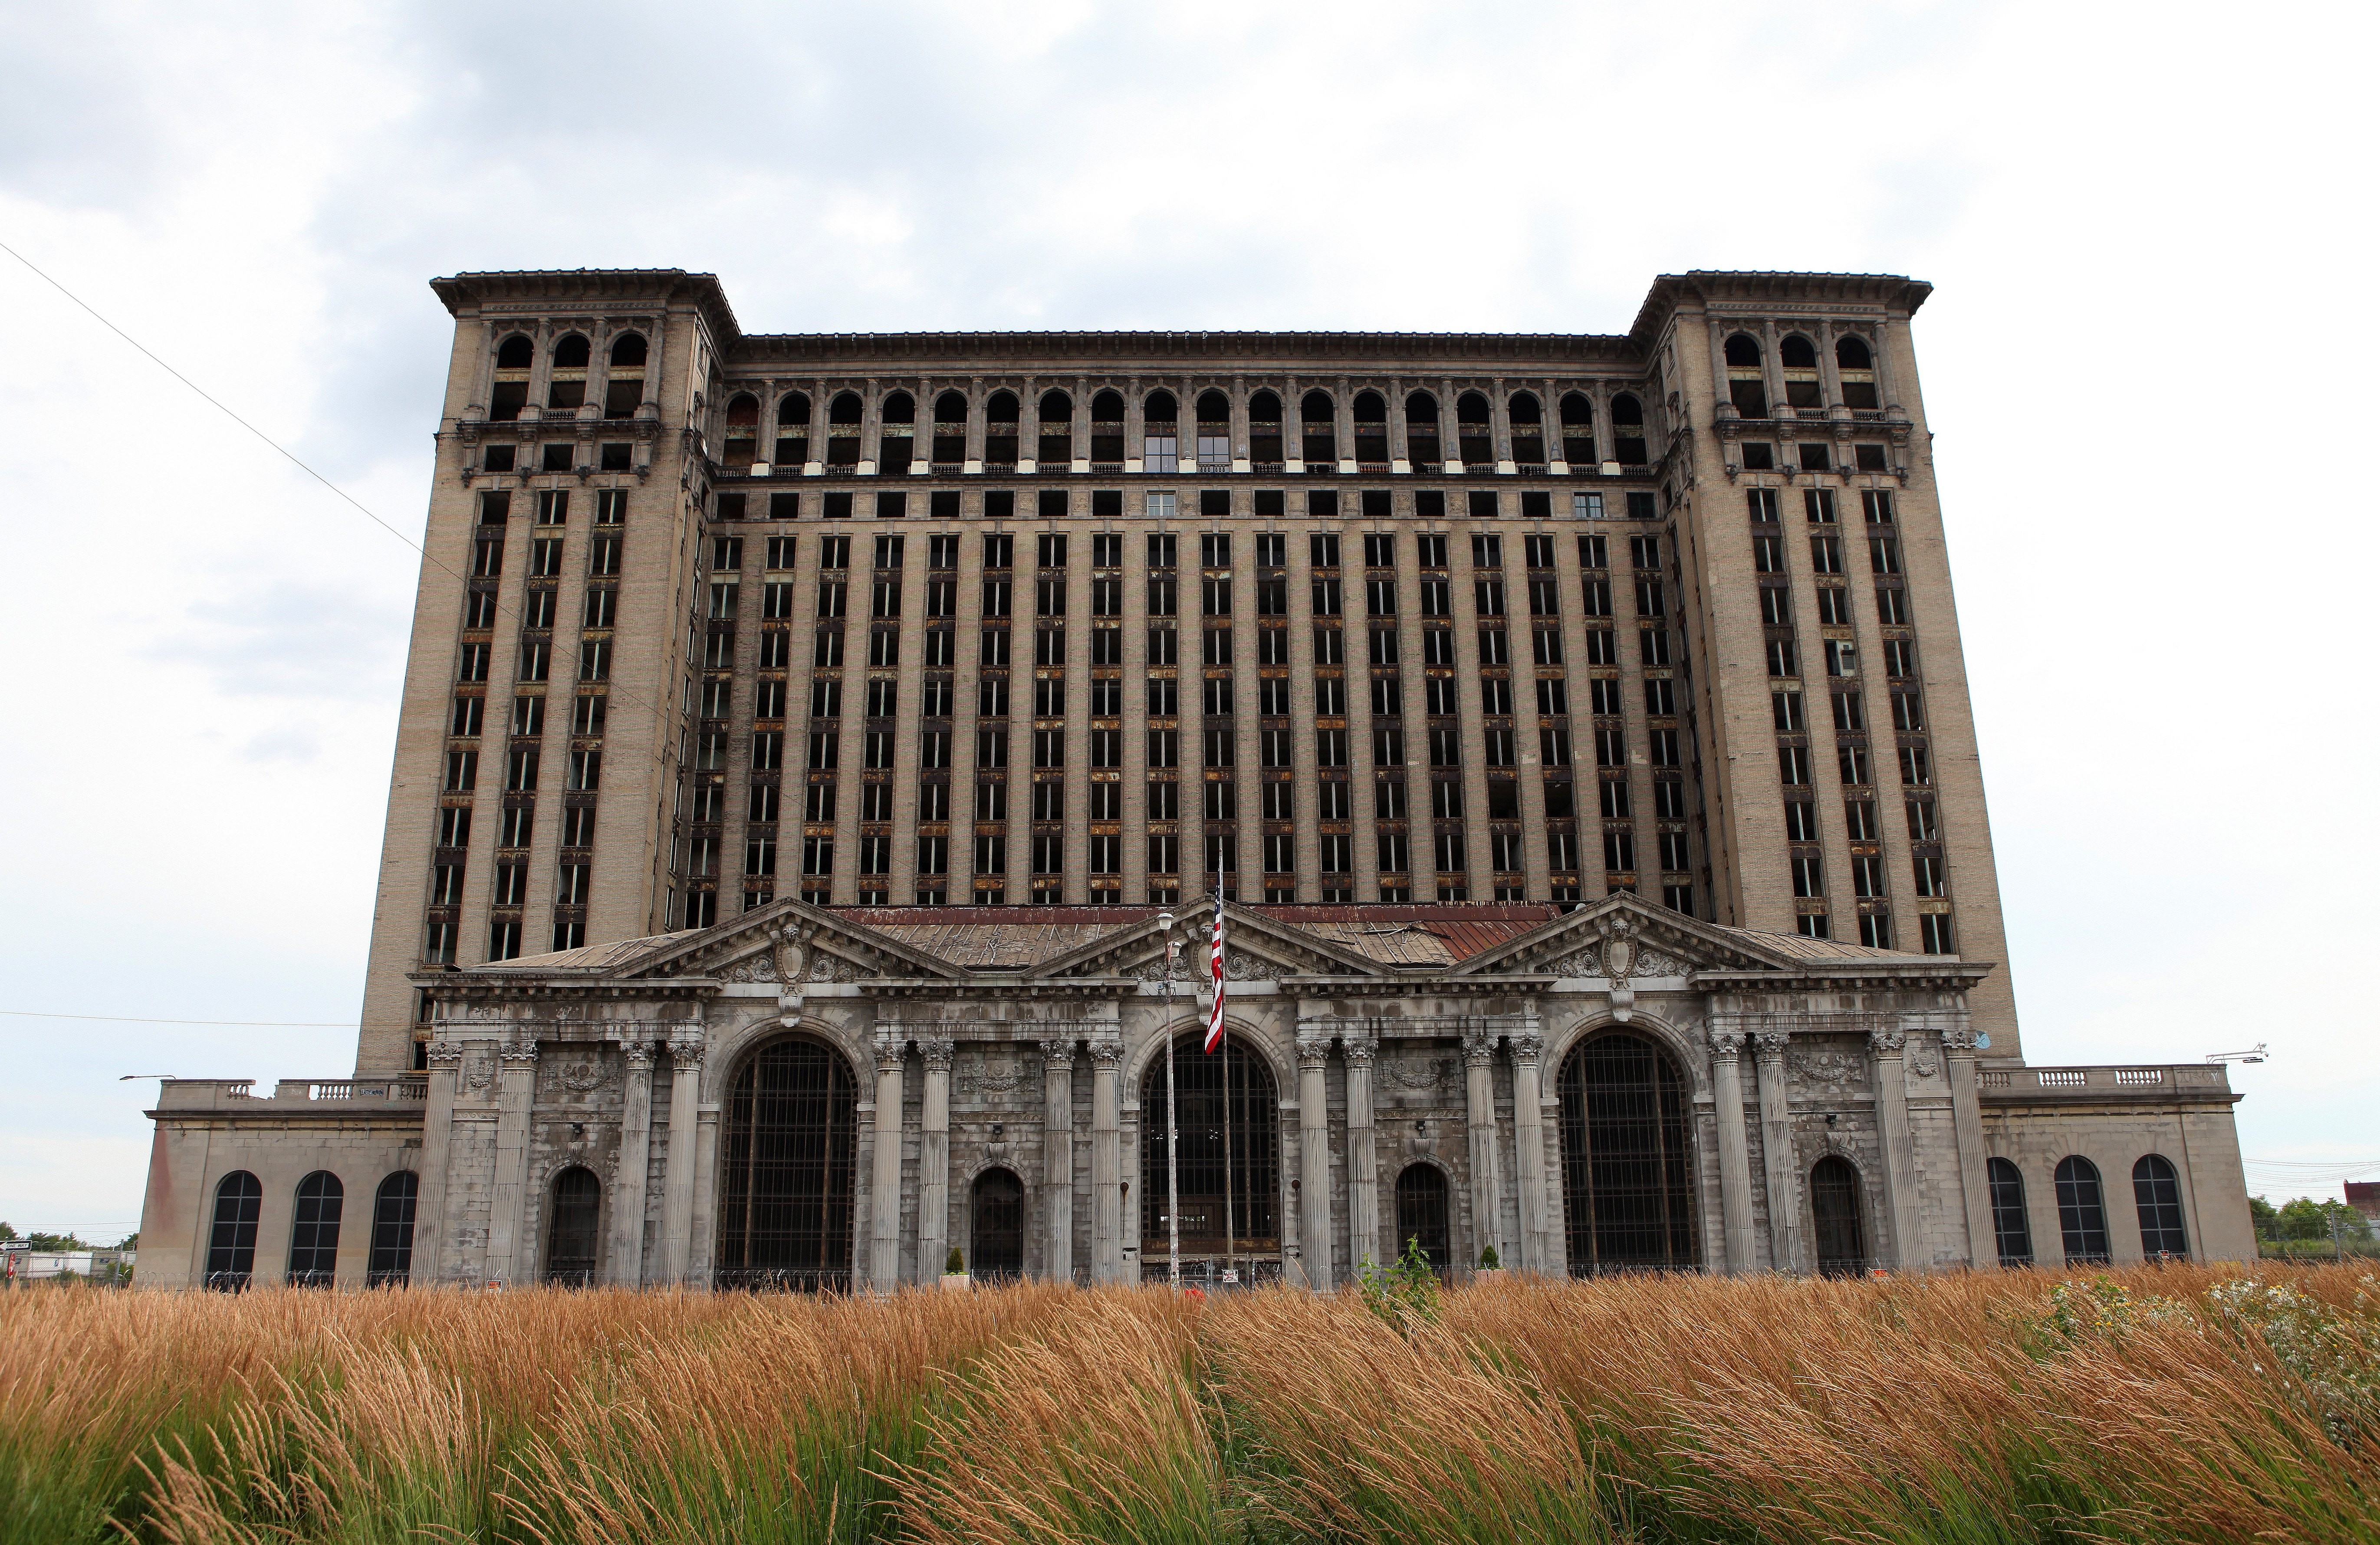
128,1019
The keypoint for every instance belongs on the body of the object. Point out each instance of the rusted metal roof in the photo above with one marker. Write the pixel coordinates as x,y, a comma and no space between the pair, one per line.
989,946
588,958
1802,947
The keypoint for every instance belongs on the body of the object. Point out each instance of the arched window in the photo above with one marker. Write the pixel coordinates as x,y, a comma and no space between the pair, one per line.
2081,1211
1578,429
1799,360
1214,433
1746,386
573,1215
1475,445
626,388
565,389
1057,443
743,443
392,1238
1627,1179
1266,446
1236,1083
231,1246
896,438
1318,429
2010,1226
509,394
788,1158
1421,1214
843,415
1422,444
1000,411
950,429
951,407
1528,429
516,353
628,351
1160,445
1628,430
314,1230
1856,366
996,1232
1107,408
793,430
2156,1190
1835,1212
1371,415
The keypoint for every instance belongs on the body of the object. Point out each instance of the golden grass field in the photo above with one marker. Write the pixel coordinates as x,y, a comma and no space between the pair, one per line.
2162,1404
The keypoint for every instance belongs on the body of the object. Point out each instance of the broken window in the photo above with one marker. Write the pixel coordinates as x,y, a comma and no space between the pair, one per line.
566,387
1746,388
1420,430
1577,430
1317,430
1371,412
1528,429
1800,361
897,432
1474,432
626,388
1856,366
1264,431
742,447
1628,442
1056,412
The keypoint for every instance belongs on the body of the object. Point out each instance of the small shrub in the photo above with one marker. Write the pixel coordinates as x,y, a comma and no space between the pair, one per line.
956,1265
1489,1260
1403,1293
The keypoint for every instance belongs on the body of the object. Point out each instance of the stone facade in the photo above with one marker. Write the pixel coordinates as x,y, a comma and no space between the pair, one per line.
1393,1036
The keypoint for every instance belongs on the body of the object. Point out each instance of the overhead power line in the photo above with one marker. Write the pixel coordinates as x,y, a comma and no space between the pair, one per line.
130,1020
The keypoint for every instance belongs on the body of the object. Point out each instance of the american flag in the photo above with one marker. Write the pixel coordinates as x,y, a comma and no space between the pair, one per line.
1215,967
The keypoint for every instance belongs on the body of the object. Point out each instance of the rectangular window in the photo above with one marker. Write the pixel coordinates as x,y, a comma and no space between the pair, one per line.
1916,769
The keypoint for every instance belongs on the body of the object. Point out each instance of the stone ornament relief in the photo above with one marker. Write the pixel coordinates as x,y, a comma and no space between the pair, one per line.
1923,1060
582,1075
1153,968
1578,962
834,968
999,1078
1417,1073
1831,1068
752,968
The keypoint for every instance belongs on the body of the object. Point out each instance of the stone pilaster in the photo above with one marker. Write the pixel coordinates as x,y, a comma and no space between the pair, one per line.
1362,1162
510,1258
1537,1251
430,1227
1967,1126
1058,1156
884,1184
1107,1161
1734,1150
628,1268
1779,1157
1899,1149
934,1156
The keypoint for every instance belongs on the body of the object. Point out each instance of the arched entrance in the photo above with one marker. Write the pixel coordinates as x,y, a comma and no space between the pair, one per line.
1627,1181
788,1164
574,1216
996,1237
1421,1214
1234,1082
1835,1212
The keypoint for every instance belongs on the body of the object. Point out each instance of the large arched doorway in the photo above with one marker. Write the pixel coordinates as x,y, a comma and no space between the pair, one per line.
1627,1181
1835,1215
1234,1081
996,1235
1421,1214
788,1164
574,1220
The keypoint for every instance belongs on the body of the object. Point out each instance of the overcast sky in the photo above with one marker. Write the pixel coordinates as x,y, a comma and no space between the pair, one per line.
2166,610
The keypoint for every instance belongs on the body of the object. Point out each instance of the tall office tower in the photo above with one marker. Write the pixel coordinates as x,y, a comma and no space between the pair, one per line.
1007,619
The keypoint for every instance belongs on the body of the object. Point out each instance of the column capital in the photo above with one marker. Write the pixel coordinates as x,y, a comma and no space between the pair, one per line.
1313,1051
639,1052
1528,1046
1108,1054
1959,1044
518,1052
1770,1044
890,1051
686,1048
442,1052
1728,1043
1887,1042
1479,1048
1059,1050
938,1051
1359,1048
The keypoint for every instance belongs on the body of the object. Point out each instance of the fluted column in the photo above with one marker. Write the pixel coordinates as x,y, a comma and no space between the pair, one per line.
1967,1125
1486,1192
1529,1149
686,1047
636,1158
1734,1150
1900,1151
1058,1156
1107,1161
1363,1161
884,1187
1314,1161
1778,1158
430,1227
934,1156
508,1259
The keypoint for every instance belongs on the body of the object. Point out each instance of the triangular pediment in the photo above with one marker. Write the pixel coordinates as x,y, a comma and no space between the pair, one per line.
792,938
1621,936
1255,948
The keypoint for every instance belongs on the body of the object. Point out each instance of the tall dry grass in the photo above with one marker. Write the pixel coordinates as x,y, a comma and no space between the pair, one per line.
1949,1408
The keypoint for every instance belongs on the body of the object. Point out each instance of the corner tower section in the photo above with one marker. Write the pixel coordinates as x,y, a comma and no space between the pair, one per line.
542,724
1801,476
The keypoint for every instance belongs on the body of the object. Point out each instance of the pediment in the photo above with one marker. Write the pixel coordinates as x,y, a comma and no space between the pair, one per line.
789,938
1619,938
1256,948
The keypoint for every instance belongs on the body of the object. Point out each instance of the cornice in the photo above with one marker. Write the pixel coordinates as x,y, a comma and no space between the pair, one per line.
1897,293
606,287
1281,353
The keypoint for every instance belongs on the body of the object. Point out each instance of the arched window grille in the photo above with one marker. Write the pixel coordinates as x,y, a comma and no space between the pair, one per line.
231,1244
1421,1214
392,1241
1236,1081
2010,1227
1835,1216
2156,1190
314,1230
2081,1211
788,1168
1627,1177
996,1232
573,1212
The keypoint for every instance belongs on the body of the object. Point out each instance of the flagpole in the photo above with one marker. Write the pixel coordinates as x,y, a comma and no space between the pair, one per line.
1173,1128
1224,1042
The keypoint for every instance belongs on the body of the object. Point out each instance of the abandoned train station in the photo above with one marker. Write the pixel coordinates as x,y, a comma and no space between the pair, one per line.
811,744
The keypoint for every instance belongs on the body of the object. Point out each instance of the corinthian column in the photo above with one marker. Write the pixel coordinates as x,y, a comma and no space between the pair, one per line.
1314,1221
1778,1155
1529,1151
934,1158
884,1186
1362,1162
685,1152
1058,1155
636,1159
1487,1191
1734,1150
1107,1161
1899,1150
